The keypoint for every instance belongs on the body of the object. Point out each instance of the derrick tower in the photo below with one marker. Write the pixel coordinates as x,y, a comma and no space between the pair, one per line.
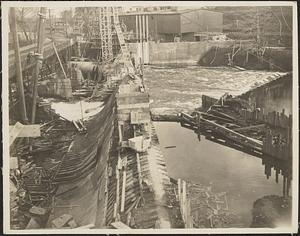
105,30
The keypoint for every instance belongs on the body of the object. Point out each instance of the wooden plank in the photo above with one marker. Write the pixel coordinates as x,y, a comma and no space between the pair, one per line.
89,226
123,186
28,131
136,105
13,163
183,204
242,139
15,131
223,115
139,173
179,188
117,191
214,117
119,225
250,127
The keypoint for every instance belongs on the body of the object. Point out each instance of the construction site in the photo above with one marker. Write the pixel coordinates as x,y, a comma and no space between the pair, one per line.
150,118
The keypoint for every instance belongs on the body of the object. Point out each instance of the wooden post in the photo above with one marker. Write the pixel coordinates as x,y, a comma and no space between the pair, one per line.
288,183
284,186
179,189
117,190
40,50
58,58
13,29
123,186
120,133
139,174
190,221
184,200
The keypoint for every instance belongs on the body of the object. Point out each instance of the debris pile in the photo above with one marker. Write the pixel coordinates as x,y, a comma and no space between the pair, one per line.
38,162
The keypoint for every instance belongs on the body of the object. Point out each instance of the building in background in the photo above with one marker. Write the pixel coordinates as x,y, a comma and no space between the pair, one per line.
167,25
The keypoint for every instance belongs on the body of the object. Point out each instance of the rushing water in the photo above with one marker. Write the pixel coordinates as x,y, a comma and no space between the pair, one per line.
180,89
240,175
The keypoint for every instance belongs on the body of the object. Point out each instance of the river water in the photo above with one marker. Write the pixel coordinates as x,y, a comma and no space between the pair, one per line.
225,169
180,89
240,175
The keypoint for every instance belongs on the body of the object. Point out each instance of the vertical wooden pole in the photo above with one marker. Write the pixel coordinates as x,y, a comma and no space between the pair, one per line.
117,191
288,184
13,29
284,186
123,186
40,50
58,58
120,133
184,200
179,189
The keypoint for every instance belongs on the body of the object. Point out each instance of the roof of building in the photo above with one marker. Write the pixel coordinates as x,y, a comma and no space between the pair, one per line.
177,12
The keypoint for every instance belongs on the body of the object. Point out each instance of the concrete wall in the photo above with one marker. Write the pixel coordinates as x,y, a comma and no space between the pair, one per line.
181,52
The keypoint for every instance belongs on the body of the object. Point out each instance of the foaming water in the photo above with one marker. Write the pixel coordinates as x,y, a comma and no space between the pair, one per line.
181,88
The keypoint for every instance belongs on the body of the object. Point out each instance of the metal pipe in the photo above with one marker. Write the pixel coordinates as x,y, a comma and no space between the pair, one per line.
147,28
13,28
136,28
140,28
40,50
144,27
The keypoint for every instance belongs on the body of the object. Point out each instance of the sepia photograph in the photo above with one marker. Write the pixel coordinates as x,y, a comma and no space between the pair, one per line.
150,117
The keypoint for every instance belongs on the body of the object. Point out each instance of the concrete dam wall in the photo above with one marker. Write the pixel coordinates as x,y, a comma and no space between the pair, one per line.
174,53
212,53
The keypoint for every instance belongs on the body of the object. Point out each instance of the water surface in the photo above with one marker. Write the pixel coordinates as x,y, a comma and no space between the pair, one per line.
239,174
180,89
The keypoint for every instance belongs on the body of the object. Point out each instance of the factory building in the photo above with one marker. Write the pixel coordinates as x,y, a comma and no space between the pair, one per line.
170,26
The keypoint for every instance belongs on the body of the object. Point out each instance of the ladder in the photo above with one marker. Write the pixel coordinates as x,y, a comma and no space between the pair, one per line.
123,45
